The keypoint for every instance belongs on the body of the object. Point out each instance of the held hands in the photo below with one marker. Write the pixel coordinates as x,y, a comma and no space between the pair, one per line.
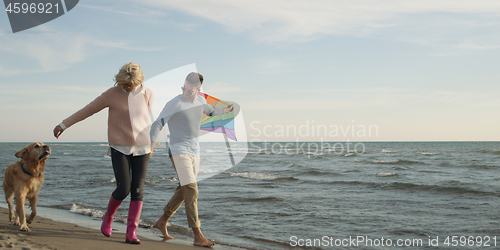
58,131
153,145
229,108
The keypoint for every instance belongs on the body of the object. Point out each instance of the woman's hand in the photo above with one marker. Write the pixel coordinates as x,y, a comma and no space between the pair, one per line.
58,131
153,145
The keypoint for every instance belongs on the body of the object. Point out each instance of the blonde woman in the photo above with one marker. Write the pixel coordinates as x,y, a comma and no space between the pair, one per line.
128,136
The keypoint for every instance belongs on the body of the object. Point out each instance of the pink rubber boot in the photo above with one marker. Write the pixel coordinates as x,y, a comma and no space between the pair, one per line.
134,216
107,219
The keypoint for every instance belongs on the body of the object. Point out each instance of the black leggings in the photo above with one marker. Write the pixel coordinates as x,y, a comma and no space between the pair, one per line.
123,165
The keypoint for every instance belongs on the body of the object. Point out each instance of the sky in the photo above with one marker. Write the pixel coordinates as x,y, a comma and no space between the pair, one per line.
301,70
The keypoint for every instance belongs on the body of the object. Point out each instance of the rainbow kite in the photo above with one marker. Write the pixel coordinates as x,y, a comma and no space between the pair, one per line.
221,123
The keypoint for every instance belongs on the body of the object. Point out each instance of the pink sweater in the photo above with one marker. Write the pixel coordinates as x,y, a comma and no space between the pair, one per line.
128,117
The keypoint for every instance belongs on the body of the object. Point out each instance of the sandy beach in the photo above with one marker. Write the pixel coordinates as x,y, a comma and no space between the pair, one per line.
48,234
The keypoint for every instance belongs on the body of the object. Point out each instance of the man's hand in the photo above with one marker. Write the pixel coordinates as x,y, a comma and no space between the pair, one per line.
58,131
228,108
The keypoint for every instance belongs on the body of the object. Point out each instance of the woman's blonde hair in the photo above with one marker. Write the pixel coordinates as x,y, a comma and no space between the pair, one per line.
129,73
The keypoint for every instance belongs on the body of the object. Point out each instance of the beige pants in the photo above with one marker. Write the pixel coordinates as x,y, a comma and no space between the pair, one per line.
186,166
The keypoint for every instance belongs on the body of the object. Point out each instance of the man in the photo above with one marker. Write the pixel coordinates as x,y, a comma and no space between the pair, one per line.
183,115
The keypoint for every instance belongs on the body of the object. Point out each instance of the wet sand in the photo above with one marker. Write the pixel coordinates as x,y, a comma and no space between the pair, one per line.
48,234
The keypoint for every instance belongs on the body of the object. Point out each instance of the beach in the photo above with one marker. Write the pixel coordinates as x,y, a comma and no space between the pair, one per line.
49,234
280,196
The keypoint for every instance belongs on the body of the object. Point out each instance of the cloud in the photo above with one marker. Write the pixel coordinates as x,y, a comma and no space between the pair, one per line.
111,9
141,12
76,89
270,66
187,26
482,43
47,53
123,45
303,20
218,88
51,52
369,99
13,91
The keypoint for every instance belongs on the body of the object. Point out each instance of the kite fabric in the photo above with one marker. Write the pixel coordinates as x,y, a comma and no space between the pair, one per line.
220,123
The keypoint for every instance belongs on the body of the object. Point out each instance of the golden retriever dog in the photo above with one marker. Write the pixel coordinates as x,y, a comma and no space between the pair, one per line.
23,180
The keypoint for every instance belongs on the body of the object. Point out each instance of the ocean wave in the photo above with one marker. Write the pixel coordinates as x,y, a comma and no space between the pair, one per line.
491,151
385,174
483,166
446,164
409,232
178,229
284,178
268,199
301,170
254,150
443,188
385,162
353,171
397,162
470,165
389,151
64,207
401,167
313,154
250,199
95,213
316,172
156,179
207,170
263,152
296,166
446,187
214,151
62,144
439,188
236,150
251,175
78,209
427,153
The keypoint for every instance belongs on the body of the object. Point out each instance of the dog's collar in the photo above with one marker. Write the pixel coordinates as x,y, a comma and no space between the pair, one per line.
28,173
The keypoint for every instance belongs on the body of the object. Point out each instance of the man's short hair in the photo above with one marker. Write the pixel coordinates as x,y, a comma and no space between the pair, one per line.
194,78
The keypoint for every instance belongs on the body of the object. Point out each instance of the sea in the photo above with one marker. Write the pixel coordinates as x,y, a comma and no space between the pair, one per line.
300,195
